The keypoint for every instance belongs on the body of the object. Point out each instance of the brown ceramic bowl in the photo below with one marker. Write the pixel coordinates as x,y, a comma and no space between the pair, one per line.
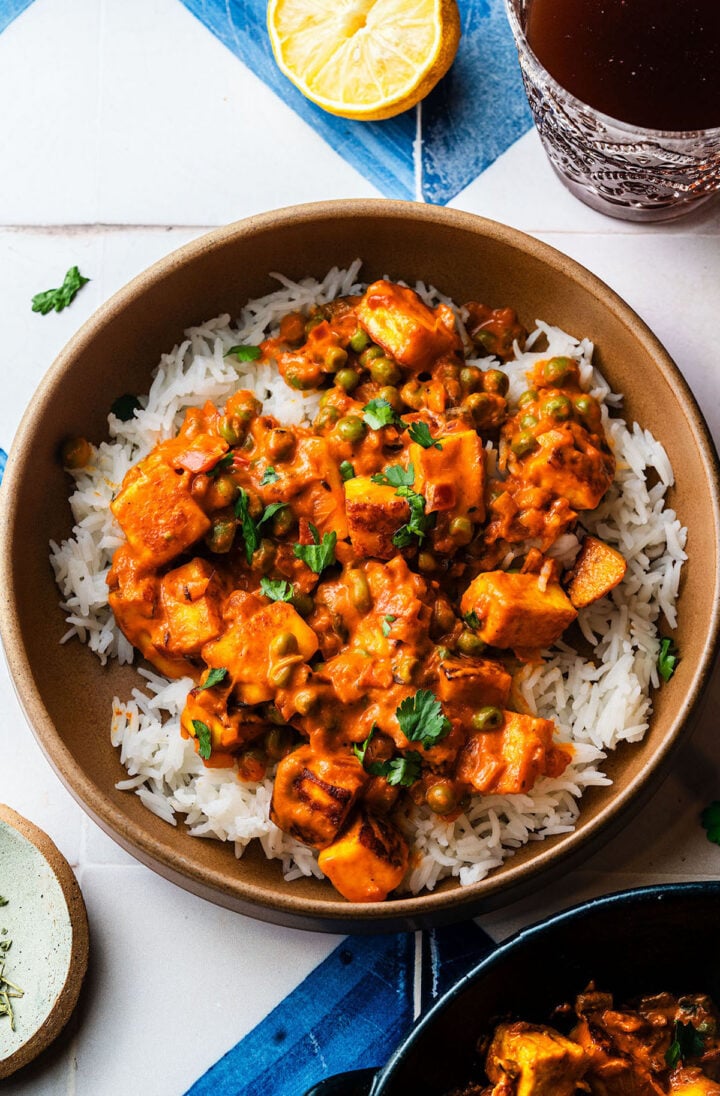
67,695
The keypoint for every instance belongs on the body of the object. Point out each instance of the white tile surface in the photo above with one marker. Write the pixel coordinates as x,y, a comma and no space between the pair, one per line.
108,127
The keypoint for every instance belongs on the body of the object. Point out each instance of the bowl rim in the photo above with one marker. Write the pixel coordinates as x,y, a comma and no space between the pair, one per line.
410,911
529,934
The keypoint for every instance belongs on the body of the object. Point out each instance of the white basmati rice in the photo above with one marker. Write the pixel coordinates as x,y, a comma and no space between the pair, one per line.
596,704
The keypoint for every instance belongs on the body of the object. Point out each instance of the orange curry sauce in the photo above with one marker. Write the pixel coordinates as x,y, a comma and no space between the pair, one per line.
334,589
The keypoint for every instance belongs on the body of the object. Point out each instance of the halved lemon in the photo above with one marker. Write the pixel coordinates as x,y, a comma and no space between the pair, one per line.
364,59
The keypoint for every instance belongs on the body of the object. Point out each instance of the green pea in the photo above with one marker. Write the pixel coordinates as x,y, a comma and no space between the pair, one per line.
405,669
555,370
312,323
488,718
528,396
442,653
279,742
528,421
296,378
305,701
370,354
347,379
384,371
220,536
284,643
470,644
327,416
231,429
584,405
426,562
279,676
225,491
523,443
495,381
335,358
283,522
264,557
481,406
441,797
351,428
471,378
557,407
280,444
461,530
391,395
359,341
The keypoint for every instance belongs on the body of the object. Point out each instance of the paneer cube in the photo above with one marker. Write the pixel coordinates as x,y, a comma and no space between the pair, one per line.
250,649
475,681
598,569
536,1060
403,325
567,463
313,794
514,611
191,600
367,861
509,760
157,513
452,478
374,515
693,1082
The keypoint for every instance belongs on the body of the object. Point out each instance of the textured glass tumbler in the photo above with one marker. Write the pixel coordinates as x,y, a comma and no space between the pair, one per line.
623,170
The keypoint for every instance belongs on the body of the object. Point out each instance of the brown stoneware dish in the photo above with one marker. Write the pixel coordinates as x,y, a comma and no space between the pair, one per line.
67,694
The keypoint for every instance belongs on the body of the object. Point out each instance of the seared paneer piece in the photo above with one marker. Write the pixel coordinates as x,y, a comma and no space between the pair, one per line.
374,514
314,794
191,599
402,324
451,475
368,860
533,1060
473,681
567,461
517,611
510,759
157,513
598,569
692,1081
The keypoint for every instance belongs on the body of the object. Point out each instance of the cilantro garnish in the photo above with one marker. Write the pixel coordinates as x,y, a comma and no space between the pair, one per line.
395,476
387,621
222,465
346,471
276,589
710,821
419,432
687,1043
422,720
213,678
269,476
403,770
378,413
244,353
125,407
247,525
320,554
204,738
472,619
270,512
418,523
60,298
668,658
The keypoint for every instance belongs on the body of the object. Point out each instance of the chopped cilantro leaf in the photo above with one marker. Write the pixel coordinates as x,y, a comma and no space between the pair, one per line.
422,720
361,750
244,353
269,476
276,589
710,821
247,525
687,1043
403,771
419,432
204,738
395,476
385,626
419,522
346,471
222,465
125,407
270,512
668,658
213,678
378,413
60,298
320,554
